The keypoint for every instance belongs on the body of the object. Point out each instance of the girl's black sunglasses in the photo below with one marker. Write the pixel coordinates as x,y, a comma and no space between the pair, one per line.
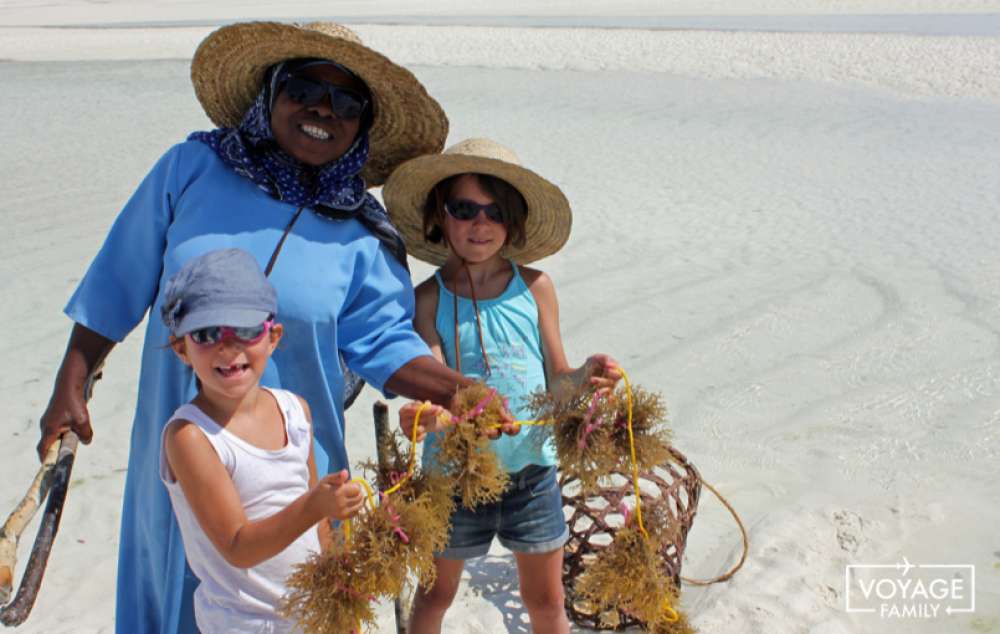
467,210
345,103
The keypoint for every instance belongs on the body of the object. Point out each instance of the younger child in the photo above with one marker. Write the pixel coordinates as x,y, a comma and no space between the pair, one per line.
237,460
478,213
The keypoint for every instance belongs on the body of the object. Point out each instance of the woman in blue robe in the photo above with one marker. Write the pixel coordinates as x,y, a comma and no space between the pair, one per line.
309,118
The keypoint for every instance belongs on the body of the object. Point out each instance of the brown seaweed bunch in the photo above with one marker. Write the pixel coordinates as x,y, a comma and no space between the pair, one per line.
629,576
424,502
332,592
590,431
464,450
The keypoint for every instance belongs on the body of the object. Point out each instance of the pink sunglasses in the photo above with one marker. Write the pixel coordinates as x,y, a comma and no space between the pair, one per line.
247,335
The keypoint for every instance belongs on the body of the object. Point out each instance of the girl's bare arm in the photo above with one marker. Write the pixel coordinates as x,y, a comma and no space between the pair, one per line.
217,507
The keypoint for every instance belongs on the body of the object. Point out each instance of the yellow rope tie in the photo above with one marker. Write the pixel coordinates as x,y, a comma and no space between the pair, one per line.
672,615
371,504
413,451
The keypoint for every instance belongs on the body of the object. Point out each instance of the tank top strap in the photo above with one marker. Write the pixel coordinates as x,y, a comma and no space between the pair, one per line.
296,424
437,276
517,285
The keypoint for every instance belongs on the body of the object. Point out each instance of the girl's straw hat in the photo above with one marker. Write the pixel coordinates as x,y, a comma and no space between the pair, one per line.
405,194
228,71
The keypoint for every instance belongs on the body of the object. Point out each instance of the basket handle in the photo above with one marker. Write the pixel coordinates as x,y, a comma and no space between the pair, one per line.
743,532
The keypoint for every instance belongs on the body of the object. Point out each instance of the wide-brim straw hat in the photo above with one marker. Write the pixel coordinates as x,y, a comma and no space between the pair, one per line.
228,72
549,218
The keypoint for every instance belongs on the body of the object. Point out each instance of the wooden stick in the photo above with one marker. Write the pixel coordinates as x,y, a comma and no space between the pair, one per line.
382,439
19,519
56,483
19,609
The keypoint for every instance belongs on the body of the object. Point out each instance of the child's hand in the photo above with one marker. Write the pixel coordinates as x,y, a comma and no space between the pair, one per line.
602,372
507,426
433,418
335,497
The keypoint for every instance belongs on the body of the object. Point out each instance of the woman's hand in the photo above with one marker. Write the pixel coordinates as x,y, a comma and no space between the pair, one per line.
67,411
432,418
335,497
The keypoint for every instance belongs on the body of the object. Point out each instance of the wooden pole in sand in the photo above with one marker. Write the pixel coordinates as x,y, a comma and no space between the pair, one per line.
52,478
382,438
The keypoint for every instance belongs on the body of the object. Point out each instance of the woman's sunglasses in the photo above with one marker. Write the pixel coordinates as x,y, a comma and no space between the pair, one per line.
345,103
247,335
467,210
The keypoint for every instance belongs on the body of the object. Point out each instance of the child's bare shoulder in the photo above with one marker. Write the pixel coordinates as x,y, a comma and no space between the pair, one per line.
426,291
182,433
536,280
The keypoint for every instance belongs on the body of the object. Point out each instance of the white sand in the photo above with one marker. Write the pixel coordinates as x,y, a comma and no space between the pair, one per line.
791,235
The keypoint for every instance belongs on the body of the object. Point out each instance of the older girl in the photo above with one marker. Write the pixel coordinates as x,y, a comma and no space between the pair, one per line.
481,216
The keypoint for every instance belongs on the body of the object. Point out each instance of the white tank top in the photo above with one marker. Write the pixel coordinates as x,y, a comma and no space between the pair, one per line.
231,599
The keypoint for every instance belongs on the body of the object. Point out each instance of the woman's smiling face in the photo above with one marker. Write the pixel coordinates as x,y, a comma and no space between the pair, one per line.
314,135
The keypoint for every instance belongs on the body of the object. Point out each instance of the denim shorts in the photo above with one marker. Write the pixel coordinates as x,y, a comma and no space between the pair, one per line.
528,518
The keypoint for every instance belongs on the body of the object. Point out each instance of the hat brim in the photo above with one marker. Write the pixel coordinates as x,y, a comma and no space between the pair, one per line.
547,226
228,70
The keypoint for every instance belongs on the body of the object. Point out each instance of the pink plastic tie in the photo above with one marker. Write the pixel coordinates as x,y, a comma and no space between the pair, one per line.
477,410
589,426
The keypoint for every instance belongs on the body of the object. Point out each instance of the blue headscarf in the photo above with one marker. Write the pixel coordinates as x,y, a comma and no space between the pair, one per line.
335,190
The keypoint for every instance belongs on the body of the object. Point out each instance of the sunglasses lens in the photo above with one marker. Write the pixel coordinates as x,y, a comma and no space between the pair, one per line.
206,336
462,209
251,333
305,91
346,104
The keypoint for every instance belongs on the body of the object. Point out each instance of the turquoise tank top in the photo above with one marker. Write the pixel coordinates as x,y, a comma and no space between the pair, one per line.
514,347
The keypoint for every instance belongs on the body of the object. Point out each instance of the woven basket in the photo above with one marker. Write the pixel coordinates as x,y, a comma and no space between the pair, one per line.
595,517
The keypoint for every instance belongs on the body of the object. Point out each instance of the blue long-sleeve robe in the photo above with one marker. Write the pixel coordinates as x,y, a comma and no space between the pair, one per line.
338,289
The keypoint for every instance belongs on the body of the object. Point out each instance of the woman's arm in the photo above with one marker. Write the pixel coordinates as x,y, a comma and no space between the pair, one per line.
67,408
216,504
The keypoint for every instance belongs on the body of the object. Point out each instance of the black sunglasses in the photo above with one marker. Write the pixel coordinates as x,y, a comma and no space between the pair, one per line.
467,210
345,103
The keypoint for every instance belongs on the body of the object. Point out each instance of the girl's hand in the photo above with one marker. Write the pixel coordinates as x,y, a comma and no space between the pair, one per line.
432,418
507,426
335,497
602,372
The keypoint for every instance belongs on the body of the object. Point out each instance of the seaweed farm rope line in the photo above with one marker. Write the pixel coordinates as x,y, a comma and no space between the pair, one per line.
672,615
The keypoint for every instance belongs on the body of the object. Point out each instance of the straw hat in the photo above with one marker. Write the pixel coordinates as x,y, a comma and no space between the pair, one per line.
228,71
405,194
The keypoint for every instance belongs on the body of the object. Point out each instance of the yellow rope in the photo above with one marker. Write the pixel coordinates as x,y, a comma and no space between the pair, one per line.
371,503
413,451
672,615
